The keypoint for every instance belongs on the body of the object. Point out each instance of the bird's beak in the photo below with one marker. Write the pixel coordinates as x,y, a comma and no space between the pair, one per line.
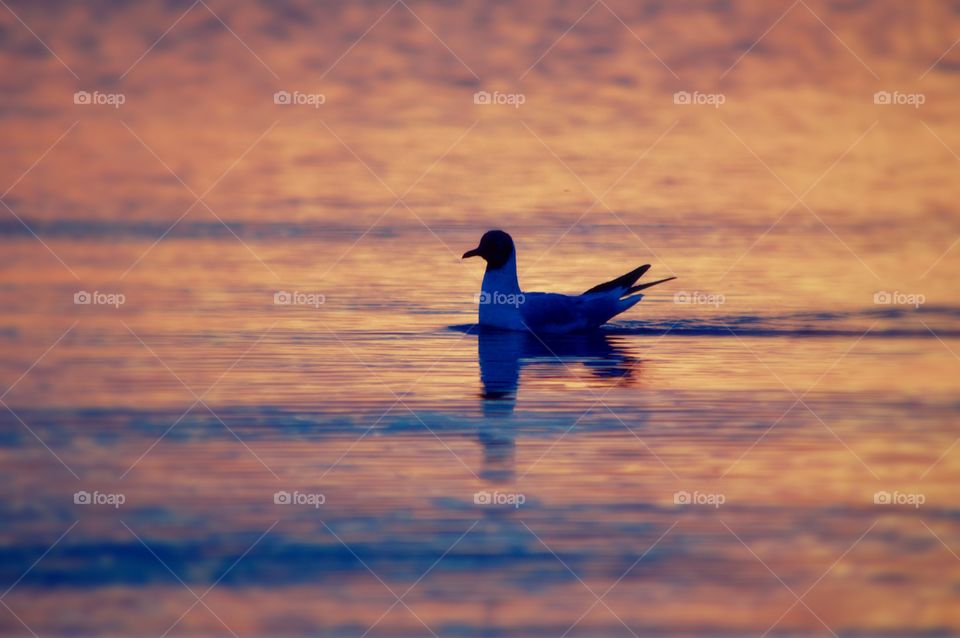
471,253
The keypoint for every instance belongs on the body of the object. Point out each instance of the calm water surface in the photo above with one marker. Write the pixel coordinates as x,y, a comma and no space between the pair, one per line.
709,464
199,398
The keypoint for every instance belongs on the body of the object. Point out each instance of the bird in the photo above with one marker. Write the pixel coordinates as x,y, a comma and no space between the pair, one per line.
502,305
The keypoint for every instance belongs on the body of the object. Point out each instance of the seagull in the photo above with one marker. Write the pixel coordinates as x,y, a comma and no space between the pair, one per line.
503,305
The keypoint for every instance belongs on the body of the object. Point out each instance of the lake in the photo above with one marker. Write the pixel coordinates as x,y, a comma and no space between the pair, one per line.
245,392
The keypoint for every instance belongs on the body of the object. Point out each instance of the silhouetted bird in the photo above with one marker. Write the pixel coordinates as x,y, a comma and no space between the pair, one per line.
503,305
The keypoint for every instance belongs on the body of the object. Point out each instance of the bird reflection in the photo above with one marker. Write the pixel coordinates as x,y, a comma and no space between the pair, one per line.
503,354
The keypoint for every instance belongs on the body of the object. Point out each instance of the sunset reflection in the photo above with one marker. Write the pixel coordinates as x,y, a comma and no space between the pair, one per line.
233,296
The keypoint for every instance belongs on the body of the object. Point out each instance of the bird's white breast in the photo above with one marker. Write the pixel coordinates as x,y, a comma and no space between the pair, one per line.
500,297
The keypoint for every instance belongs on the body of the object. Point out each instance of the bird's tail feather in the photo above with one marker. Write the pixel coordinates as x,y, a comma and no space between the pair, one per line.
626,303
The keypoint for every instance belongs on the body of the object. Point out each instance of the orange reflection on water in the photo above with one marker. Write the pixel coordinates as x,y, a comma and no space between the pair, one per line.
794,395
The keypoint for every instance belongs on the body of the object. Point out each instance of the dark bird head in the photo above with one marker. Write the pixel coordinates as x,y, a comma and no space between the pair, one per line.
495,247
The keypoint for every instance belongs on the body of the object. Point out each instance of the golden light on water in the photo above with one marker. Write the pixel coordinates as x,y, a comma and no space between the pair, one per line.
793,164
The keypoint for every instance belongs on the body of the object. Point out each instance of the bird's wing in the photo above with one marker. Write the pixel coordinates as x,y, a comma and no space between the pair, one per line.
622,283
550,312
648,284
555,313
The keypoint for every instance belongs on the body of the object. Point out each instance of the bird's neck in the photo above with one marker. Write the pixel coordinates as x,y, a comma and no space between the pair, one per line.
502,280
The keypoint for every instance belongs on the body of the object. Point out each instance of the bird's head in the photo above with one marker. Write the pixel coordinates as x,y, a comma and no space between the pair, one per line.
495,247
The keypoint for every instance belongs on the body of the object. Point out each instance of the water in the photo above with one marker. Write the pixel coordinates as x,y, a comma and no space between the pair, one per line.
708,464
390,403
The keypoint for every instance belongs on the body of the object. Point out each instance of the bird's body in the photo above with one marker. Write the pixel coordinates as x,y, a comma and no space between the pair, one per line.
505,306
